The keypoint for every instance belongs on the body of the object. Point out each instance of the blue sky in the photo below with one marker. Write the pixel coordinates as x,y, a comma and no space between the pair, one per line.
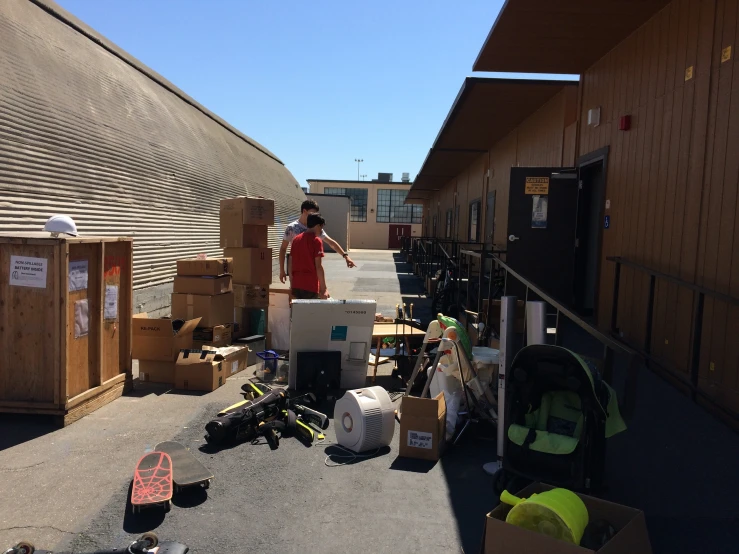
318,83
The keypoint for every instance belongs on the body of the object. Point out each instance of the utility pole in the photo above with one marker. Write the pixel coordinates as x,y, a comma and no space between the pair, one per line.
359,161
364,176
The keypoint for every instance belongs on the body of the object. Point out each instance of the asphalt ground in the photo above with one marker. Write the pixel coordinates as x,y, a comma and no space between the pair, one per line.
68,489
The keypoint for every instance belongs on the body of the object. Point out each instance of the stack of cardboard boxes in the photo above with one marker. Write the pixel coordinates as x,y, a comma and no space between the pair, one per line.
203,288
244,238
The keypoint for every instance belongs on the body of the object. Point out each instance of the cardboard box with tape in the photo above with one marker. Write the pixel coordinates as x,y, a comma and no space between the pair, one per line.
208,369
218,336
212,310
251,296
206,266
251,266
631,535
159,339
423,427
203,285
244,236
247,210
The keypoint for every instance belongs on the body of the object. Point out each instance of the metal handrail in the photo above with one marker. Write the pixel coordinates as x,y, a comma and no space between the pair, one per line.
675,280
696,331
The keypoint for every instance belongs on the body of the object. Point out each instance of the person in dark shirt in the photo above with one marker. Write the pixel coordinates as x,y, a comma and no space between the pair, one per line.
308,280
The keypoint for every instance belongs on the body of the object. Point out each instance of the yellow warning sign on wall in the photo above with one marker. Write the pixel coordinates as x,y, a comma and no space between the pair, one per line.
537,185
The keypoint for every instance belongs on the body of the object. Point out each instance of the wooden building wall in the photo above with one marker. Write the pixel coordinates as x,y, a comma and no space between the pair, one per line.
672,180
545,138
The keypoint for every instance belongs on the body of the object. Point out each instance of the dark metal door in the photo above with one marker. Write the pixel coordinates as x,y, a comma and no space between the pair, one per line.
396,234
542,220
490,220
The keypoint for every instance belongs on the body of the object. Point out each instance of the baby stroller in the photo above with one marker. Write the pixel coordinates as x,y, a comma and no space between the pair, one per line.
558,415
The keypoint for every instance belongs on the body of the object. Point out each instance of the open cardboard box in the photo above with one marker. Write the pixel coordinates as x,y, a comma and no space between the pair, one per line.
423,427
631,536
208,369
155,339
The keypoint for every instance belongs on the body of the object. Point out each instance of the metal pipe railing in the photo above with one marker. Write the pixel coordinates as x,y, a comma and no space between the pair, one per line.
696,329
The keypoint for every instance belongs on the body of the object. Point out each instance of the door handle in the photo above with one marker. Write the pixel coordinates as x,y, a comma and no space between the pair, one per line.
512,238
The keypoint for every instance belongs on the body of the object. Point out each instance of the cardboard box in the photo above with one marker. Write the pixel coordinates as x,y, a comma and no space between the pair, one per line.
203,285
237,235
217,336
156,339
208,266
423,427
251,266
212,310
251,296
631,536
206,370
156,372
247,210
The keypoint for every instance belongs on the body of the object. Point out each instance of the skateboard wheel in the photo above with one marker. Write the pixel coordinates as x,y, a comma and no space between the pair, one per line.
150,538
167,506
206,485
24,548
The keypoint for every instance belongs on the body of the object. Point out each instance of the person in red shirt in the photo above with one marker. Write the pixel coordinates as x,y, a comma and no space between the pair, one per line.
308,279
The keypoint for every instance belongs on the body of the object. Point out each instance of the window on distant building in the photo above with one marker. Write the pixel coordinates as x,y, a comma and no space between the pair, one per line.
358,198
448,223
391,207
475,221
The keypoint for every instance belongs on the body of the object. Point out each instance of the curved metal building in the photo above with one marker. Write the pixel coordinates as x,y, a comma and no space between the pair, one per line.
88,131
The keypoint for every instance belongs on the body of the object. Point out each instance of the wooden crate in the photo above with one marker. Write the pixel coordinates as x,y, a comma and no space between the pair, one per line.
46,365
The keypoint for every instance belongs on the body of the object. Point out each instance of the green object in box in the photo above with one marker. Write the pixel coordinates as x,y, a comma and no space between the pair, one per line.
258,322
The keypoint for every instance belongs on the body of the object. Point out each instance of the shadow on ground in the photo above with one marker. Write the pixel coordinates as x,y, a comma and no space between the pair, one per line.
20,428
676,462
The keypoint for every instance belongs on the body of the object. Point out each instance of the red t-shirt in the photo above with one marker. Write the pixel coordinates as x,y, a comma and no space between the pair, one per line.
305,249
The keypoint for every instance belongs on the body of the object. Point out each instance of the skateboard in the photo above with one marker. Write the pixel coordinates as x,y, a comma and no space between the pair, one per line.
187,471
152,482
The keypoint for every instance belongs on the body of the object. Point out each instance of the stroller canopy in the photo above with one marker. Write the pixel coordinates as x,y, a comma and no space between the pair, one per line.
558,389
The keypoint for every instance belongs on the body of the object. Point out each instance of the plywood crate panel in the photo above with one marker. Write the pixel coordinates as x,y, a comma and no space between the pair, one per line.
46,365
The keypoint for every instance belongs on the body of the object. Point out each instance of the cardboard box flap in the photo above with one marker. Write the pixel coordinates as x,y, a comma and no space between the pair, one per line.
188,357
151,327
421,407
189,326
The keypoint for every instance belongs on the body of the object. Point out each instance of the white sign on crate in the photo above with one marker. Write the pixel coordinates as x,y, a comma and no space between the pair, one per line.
28,272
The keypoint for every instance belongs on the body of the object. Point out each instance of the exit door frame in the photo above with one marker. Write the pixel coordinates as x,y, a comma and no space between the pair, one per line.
594,157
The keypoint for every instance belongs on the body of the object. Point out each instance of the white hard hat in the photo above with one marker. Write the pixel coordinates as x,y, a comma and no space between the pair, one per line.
61,224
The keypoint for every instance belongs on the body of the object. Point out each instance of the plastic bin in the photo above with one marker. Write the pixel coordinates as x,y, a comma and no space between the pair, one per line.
267,365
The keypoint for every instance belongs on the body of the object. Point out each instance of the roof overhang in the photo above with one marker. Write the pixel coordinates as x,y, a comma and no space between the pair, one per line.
485,111
560,36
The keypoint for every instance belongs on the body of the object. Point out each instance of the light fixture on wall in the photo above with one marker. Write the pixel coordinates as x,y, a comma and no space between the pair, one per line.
594,117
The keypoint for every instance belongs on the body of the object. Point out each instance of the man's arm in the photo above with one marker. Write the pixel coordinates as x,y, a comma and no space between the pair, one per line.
283,253
337,248
321,278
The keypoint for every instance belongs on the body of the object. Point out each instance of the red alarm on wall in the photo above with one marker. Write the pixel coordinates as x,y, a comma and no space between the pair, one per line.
624,123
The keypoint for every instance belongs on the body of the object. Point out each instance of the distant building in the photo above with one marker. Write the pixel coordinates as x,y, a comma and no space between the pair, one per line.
379,217
305,189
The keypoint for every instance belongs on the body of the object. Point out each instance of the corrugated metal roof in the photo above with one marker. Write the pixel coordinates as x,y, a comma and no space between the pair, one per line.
86,133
